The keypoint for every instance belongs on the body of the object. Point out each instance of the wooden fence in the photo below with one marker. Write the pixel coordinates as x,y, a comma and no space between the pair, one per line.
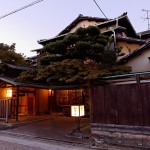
5,109
121,103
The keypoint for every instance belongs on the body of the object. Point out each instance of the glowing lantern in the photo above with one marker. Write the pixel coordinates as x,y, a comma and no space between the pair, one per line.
77,111
9,93
51,92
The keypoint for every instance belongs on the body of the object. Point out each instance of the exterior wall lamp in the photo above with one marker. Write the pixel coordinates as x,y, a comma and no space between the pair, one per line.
9,93
51,92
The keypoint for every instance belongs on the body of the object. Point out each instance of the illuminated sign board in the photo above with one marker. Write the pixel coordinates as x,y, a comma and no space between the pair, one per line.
77,110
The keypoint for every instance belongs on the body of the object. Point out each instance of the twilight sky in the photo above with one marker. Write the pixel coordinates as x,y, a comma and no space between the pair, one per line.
47,18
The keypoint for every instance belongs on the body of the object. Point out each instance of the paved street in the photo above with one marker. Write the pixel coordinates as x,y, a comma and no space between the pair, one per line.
13,143
57,129
49,134
54,133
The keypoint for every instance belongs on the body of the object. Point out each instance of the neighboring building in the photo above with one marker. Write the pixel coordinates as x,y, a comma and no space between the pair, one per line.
124,34
12,70
139,59
32,60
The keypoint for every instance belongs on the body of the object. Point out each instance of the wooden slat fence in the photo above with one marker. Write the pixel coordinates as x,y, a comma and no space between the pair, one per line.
5,109
124,104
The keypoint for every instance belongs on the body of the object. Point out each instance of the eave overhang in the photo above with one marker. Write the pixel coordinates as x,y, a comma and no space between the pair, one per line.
122,21
133,53
129,39
40,86
46,41
144,34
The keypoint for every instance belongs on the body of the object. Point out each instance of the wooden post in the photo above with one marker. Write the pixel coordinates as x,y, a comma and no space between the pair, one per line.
140,109
7,102
17,104
90,90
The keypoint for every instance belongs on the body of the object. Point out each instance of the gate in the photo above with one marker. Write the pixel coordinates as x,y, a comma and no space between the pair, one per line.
5,109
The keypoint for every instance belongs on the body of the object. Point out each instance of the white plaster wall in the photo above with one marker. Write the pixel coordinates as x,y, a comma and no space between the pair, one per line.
141,62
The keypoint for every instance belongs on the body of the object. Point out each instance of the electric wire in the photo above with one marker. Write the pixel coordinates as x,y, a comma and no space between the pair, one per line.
100,9
24,7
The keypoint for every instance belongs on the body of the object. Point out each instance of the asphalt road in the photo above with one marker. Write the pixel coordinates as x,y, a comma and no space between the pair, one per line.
9,142
50,134
57,129
15,143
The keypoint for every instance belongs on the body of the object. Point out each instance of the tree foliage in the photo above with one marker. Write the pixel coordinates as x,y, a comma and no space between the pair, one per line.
9,55
85,43
71,71
28,76
78,57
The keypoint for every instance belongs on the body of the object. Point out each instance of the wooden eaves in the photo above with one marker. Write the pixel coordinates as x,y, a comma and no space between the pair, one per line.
130,78
122,21
40,86
133,53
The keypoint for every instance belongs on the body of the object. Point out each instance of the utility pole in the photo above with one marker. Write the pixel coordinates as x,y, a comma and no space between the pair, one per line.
147,17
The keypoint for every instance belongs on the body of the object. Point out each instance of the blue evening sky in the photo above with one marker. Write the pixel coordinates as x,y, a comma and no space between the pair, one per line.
47,18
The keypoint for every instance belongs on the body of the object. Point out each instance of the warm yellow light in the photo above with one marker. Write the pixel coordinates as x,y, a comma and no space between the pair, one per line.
77,111
9,93
51,92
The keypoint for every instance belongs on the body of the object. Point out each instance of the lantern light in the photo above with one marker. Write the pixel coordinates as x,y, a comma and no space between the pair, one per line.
77,111
51,92
9,93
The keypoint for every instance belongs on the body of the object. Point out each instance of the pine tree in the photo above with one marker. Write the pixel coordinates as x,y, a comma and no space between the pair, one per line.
79,57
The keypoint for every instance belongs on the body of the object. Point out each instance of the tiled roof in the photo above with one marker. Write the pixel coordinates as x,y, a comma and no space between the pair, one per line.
70,26
38,85
59,37
19,67
129,39
80,18
123,21
16,83
144,32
